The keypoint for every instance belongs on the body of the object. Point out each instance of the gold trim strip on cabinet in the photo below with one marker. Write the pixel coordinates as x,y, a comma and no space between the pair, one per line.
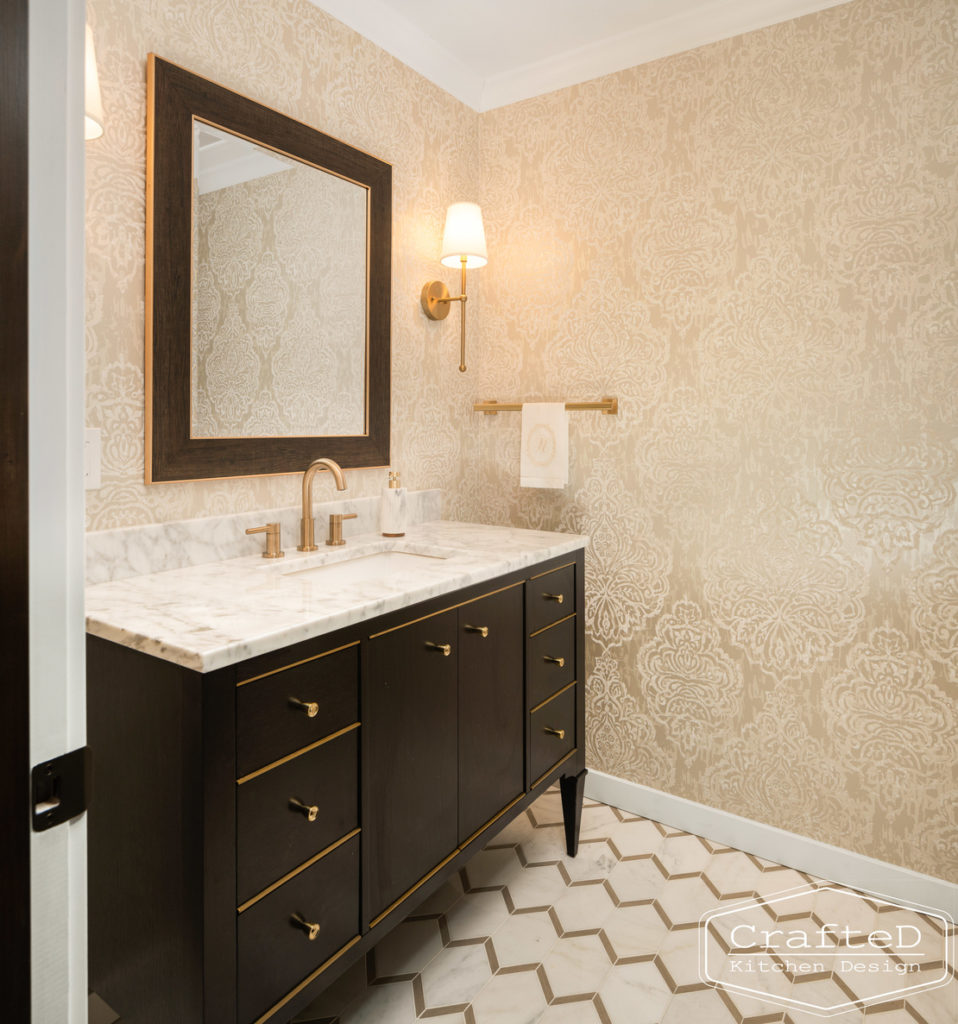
549,571
295,664
306,981
491,821
552,625
558,693
450,608
422,881
302,867
297,753
553,768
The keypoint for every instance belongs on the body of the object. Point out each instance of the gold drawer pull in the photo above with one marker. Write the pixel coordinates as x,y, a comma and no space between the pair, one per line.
555,732
558,598
483,631
310,810
445,648
554,661
309,706
311,929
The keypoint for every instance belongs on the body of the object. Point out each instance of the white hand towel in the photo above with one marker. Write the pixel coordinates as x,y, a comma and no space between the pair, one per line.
544,461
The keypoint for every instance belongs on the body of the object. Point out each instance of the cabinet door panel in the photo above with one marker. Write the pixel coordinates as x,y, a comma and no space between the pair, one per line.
490,707
411,757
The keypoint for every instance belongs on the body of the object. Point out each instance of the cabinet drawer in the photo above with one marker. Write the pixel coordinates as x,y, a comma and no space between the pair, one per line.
275,835
545,747
550,597
551,661
274,953
271,720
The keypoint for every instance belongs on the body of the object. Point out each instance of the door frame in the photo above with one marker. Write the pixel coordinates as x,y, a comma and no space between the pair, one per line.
14,525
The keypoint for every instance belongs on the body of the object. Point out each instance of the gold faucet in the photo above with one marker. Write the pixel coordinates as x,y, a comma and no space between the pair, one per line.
307,526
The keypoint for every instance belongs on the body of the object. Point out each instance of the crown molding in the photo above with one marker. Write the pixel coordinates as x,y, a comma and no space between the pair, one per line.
709,22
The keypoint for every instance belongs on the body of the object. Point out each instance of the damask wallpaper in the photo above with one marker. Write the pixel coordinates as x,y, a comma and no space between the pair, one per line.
755,246
279,307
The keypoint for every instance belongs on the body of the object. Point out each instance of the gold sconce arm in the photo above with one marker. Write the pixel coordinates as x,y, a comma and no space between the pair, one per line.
436,303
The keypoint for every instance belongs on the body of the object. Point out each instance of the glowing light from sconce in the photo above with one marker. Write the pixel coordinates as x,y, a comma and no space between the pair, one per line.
93,104
463,246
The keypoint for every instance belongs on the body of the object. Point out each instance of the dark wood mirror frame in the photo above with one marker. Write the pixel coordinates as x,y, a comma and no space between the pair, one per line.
174,97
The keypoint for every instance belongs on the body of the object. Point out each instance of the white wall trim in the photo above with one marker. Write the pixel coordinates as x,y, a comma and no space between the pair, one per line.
381,23
809,855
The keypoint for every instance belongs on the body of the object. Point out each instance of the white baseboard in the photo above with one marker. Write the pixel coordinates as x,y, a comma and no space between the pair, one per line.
820,859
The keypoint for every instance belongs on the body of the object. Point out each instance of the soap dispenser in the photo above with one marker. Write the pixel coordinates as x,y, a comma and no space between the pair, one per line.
392,509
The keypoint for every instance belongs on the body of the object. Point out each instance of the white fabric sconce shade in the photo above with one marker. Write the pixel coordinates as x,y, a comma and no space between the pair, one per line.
93,104
464,236
463,246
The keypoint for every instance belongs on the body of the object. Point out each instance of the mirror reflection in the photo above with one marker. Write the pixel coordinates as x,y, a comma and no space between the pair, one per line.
279,308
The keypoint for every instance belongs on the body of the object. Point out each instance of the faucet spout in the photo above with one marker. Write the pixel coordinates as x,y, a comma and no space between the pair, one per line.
307,526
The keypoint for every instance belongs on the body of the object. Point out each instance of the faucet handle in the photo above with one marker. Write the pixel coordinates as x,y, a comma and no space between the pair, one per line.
271,530
335,538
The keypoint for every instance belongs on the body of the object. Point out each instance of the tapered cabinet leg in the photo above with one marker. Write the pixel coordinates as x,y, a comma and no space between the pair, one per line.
572,788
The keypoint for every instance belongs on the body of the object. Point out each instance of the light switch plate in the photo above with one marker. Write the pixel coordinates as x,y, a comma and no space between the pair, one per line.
91,458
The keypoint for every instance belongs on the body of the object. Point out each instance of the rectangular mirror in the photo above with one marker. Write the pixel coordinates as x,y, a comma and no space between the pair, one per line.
268,259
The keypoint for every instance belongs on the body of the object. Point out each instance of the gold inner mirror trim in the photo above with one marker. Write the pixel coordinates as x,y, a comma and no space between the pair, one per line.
302,867
295,664
297,753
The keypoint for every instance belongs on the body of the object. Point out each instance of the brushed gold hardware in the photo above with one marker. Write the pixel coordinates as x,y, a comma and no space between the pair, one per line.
483,631
445,648
310,810
450,608
310,927
558,598
296,664
299,869
298,753
307,525
552,697
273,543
552,625
608,406
555,732
335,538
309,706
559,763
549,572
554,661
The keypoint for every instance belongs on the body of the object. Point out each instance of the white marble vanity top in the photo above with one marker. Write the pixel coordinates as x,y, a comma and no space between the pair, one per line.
206,616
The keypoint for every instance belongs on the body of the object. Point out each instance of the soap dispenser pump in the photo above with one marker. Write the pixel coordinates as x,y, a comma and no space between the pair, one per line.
392,509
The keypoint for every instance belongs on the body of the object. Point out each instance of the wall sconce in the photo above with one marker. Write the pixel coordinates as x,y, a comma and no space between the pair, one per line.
93,104
463,245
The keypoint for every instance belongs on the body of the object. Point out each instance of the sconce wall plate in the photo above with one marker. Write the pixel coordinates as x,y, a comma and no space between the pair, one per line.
435,300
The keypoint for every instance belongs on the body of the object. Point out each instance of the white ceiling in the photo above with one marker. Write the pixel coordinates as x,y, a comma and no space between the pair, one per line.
489,53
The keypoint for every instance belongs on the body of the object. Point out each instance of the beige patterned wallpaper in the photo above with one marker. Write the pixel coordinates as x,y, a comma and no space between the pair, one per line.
293,57
754,245
279,307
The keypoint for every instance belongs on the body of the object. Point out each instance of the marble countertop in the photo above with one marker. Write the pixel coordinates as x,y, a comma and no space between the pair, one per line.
207,616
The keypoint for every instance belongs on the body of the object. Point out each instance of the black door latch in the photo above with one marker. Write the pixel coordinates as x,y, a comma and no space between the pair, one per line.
61,788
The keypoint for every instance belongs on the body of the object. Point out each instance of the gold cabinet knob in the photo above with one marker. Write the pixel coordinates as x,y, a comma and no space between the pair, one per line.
483,631
554,661
310,927
309,706
558,598
310,810
445,648
555,732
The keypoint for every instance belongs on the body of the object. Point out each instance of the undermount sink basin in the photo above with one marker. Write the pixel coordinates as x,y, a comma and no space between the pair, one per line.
363,567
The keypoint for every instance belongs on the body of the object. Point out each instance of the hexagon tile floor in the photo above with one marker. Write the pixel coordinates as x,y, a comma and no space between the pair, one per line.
527,935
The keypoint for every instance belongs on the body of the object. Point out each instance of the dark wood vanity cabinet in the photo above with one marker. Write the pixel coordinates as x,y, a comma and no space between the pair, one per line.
256,829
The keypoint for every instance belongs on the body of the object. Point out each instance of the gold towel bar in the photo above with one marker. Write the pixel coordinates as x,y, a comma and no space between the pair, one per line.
609,406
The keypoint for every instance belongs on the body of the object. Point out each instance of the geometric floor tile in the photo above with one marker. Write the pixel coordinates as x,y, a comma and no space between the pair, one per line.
526,935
